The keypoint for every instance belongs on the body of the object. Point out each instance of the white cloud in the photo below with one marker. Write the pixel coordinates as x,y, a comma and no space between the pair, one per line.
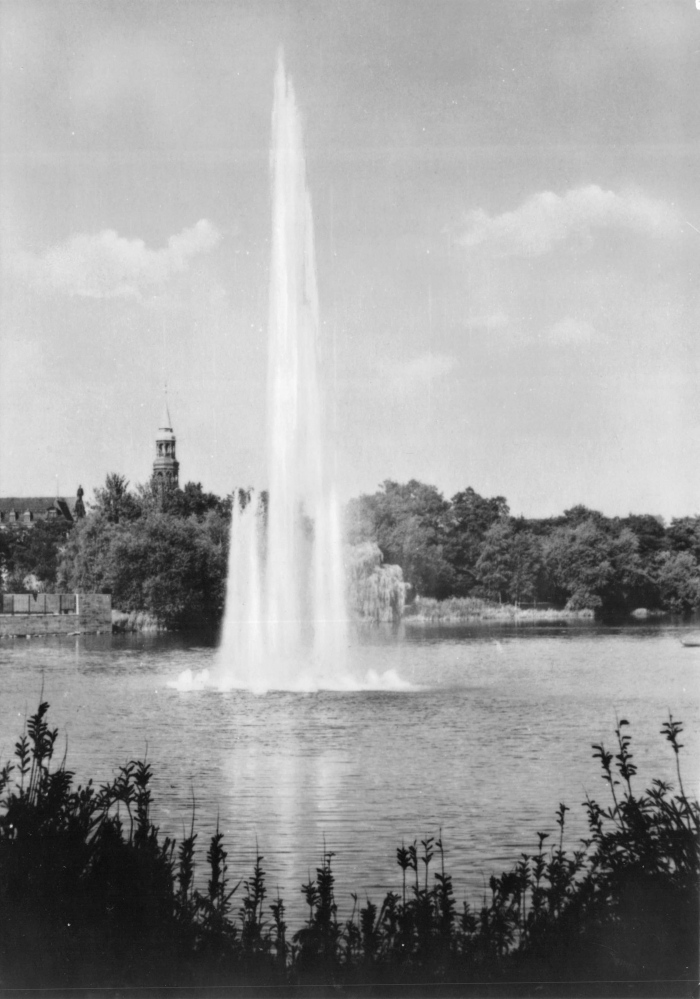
546,219
419,372
107,265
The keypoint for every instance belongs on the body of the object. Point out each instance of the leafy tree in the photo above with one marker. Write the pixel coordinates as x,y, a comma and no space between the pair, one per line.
470,517
172,567
509,563
86,560
168,553
192,501
684,535
115,502
591,566
494,565
526,566
360,520
5,556
678,580
581,514
33,551
632,584
409,524
217,525
649,531
578,560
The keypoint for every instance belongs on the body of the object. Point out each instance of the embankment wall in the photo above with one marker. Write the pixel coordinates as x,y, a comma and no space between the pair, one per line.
55,614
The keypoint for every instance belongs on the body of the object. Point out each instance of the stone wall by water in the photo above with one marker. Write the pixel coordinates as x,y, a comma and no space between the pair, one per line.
55,614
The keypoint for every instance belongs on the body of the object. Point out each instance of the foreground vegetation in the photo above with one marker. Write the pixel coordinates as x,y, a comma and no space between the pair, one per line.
167,556
91,895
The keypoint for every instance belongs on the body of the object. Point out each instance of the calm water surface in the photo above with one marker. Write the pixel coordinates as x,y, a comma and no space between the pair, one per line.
497,732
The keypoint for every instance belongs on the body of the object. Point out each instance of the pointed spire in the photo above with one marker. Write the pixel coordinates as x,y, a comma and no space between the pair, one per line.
166,422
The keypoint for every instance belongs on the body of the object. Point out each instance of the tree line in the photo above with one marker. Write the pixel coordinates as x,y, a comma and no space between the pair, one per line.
472,546
167,553
160,552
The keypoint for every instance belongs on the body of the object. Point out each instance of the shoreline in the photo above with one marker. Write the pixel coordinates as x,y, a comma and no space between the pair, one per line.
429,613
459,610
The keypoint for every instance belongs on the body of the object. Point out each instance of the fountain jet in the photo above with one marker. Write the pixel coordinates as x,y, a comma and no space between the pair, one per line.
285,624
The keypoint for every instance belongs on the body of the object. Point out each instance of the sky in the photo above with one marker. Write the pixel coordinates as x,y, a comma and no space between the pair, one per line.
507,221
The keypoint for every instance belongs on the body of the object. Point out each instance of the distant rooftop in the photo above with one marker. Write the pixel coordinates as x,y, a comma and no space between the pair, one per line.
39,507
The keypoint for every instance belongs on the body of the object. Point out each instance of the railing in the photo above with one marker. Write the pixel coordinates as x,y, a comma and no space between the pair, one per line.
42,603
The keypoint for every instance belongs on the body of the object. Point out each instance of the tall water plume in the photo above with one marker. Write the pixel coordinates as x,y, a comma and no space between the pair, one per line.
285,623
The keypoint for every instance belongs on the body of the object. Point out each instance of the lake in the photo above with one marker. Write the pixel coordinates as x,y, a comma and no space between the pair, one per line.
494,733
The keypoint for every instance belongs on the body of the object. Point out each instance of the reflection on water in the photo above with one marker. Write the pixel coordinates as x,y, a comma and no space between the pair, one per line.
494,734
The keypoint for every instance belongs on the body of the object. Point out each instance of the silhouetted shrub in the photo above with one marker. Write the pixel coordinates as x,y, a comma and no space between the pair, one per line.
92,896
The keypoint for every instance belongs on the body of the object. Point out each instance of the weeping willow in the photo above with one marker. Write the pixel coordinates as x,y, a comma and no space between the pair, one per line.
376,592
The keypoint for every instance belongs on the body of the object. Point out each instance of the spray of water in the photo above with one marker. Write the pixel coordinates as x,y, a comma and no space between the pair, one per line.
285,624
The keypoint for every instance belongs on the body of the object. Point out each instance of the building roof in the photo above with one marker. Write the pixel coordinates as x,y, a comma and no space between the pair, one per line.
165,430
166,423
38,506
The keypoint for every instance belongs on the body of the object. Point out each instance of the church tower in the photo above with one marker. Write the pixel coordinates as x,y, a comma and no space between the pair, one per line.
165,467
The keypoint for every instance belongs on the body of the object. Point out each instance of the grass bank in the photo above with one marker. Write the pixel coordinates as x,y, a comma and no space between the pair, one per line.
454,610
135,621
92,896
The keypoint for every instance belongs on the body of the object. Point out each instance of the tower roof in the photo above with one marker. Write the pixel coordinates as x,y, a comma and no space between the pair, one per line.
165,429
166,422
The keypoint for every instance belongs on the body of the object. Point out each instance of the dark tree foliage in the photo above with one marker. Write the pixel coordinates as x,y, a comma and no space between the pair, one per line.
93,897
6,549
678,581
509,563
684,536
409,523
162,552
470,517
192,501
581,514
581,559
33,551
167,553
172,567
649,531
115,502
163,555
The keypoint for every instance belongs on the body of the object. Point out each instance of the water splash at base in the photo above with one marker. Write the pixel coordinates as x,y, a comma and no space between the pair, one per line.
303,683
